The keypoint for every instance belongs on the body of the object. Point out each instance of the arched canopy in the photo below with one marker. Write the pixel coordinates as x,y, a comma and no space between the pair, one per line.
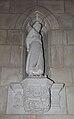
37,13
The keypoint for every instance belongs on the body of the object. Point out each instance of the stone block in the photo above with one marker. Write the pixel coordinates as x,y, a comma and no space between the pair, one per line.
17,116
20,21
55,117
69,6
4,55
73,75
70,99
9,75
31,96
53,5
8,21
0,74
16,58
3,35
52,21
70,37
49,58
62,75
57,56
65,21
73,20
4,6
28,117
58,37
3,99
69,56
14,37
18,6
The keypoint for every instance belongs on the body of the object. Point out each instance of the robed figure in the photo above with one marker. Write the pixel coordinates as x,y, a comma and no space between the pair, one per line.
35,60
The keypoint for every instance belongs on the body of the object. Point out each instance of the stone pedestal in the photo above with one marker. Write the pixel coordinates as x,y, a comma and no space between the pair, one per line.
36,95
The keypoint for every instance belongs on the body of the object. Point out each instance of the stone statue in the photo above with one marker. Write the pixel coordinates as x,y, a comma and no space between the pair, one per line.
35,60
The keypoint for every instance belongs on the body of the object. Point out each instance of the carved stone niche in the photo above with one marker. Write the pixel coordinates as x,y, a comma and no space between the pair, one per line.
37,16
37,94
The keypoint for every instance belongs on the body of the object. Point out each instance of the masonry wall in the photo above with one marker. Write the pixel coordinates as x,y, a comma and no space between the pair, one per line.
61,50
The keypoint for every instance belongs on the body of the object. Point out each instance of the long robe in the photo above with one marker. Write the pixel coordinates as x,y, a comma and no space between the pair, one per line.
35,61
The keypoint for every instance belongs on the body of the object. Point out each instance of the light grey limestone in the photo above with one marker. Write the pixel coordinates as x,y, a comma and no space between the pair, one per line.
15,95
55,117
20,6
53,5
3,99
57,56
48,16
49,57
58,37
70,99
35,60
27,97
52,21
4,6
30,96
73,75
17,116
69,56
8,21
65,21
62,75
0,74
70,37
58,99
4,55
69,6
73,21
20,21
36,93
3,36
9,117
10,74
14,37
16,56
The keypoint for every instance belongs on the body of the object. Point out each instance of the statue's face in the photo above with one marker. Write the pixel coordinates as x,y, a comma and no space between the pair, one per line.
37,26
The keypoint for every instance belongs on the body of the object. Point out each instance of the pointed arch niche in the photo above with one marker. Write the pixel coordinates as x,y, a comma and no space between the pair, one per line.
49,22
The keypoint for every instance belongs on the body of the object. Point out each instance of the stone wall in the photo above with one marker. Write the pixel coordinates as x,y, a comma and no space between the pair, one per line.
61,49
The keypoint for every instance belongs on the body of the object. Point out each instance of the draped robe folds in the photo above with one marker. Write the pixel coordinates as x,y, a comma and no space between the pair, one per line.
35,61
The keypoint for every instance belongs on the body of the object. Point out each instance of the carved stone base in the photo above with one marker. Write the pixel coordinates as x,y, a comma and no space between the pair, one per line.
36,96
